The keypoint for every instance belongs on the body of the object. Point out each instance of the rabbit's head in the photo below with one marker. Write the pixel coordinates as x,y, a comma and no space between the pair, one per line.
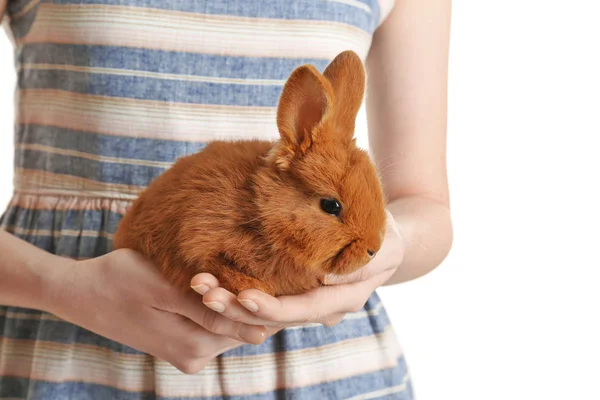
321,200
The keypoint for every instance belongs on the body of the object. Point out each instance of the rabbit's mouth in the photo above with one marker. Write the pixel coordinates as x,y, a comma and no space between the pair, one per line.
346,261
340,254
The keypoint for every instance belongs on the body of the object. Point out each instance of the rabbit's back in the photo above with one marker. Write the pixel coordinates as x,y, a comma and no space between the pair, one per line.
187,215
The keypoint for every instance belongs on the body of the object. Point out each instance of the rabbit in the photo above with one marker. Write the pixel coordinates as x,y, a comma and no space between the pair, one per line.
277,216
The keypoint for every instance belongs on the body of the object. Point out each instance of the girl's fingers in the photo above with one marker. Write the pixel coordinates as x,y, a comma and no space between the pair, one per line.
227,304
315,306
203,282
323,305
219,324
224,302
192,347
362,274
334,320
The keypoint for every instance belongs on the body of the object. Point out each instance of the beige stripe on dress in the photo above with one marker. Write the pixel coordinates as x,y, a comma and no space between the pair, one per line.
56,362
145,118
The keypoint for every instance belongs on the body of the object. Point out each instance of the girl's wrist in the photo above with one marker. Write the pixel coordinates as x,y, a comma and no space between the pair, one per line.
43,283
29,274
425,229
54,283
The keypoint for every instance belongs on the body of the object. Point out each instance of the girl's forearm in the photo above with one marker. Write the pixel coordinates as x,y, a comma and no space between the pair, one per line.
426,228
29,273
26,273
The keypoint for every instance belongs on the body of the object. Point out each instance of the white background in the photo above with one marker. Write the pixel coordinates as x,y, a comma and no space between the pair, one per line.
513,313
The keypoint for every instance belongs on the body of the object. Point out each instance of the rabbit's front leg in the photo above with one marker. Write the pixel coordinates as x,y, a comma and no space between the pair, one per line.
234,280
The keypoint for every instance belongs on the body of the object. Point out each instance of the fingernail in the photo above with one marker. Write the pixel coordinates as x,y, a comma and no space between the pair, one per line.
216,306
249,304
253,334
202,289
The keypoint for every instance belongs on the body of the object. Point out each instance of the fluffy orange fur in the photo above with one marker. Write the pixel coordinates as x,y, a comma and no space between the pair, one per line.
249,212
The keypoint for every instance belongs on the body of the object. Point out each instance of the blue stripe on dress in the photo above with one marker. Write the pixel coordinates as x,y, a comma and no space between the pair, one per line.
77,247
100,171
87,219
144,88
167,62
330,11
340,389
107,145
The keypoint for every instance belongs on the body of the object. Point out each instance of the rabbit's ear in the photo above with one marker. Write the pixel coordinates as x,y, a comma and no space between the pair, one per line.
346,74
304,105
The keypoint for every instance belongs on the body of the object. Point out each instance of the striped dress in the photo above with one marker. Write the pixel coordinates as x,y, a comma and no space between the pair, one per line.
110,93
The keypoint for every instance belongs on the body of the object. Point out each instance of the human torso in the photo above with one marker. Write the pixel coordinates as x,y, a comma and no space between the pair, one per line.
110,93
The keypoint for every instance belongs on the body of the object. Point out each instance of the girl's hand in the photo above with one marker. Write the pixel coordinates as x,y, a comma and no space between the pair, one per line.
326,305
123,297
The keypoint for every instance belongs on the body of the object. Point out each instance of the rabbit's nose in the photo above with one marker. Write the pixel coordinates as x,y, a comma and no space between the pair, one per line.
371,253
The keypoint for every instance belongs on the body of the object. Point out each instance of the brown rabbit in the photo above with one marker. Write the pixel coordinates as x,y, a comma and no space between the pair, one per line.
274,216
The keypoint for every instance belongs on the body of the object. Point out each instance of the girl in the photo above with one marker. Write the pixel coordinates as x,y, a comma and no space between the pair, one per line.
110,93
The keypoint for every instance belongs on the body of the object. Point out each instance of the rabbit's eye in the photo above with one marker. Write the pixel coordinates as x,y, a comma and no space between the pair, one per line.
331,206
